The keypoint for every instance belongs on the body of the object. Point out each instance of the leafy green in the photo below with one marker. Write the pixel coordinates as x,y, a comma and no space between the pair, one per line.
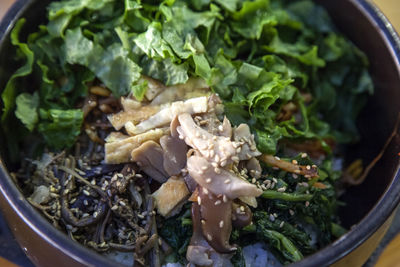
11,89
60,127
27,109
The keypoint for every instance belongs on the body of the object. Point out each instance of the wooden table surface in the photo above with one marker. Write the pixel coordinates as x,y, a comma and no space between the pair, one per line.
391,8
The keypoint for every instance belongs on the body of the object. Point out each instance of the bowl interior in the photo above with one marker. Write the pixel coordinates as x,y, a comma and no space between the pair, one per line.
375,123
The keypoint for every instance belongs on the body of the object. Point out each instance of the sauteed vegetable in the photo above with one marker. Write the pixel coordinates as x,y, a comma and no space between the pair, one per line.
192,131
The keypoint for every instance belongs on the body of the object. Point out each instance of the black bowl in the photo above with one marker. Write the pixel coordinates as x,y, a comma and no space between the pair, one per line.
370,206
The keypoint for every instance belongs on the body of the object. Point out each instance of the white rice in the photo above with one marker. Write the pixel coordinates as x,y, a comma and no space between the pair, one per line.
258,255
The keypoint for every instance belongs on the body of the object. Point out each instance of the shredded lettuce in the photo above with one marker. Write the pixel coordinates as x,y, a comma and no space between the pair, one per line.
257,55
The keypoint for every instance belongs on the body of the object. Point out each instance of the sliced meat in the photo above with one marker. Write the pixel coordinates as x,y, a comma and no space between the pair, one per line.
224,182
120,151
194,87
134,116
154,87
166,114
174,154
149,157
170,197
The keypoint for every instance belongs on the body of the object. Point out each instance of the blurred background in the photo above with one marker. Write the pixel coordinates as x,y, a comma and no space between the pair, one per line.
10,250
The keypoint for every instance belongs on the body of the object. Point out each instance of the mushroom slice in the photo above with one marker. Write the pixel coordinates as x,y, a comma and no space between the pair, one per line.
308,171
217,148
165,115
115,136
254,168
242,214
150,158
248,149
198,250
170,197
194,87
120,151
226,128
223,182
174,154
130,104
216,216
134,116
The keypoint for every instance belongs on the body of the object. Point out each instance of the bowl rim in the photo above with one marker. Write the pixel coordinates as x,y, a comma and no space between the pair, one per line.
326,256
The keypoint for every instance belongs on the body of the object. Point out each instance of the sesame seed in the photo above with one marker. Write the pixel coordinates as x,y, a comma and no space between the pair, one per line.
217,158
217,170
253,180
238,150
181,137
305,184
211,153
253,148
205,190
209,237
223,163
224,198
297,171
314,166
291,212
211,146
115,207
248,155
272,185
85,202
208,180
199,200
85,192
242,208
203,222
214,164
95,214
308,167
281,224
221,224
295,162
227,181
122,203
138,175
275,215
220,128
235,145
214,138
235,158
120,175
275,180
217,202
93,182
307,176
304,155
204,137
267,182
282,189
204,168
201,172
307,203
271,218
